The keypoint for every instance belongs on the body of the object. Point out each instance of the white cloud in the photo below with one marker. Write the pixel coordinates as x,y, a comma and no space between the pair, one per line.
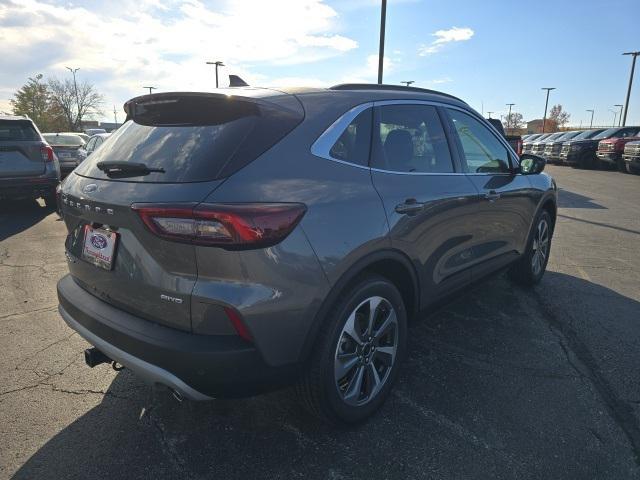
454,34
123,45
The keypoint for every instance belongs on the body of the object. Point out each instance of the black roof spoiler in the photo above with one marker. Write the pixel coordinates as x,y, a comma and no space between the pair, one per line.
236,81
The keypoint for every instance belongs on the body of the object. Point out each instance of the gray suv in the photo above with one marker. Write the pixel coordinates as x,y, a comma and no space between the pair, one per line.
224,244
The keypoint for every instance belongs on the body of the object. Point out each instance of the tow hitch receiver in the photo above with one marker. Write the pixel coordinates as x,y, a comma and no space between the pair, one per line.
93,357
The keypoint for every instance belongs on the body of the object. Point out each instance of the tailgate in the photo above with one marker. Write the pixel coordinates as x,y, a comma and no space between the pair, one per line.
21,159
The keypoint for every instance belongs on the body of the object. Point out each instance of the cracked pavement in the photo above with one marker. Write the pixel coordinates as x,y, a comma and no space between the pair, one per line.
502,383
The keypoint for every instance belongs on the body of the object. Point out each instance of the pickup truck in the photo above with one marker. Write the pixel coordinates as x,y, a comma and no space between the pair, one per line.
610,151
631,157
514,140
581,153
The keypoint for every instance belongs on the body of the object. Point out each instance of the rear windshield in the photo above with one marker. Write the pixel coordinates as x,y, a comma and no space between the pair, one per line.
19,130
192,139
63,140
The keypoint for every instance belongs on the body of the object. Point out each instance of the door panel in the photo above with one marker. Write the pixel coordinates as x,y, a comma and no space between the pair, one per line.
507,199
430,207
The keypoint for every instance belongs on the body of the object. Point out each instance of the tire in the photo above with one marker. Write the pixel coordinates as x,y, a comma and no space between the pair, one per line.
620,164
632,169
331,393
50,201
529,270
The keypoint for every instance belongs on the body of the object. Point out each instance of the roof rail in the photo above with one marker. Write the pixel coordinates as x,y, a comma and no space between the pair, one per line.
377,86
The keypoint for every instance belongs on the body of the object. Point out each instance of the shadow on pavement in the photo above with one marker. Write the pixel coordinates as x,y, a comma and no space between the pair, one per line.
16,216
487,391
567,199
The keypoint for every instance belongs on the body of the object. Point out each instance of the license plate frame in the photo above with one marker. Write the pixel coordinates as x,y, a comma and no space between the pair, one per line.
99,247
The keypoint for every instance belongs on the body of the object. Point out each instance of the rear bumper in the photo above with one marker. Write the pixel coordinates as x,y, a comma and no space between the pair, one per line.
200,367
18,188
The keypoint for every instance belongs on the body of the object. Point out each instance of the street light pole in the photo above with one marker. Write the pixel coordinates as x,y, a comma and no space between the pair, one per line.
546,104
626,103
217,64
615,114
591,124
509,116
115,116
619,116
75,89
150,89
408,82
489,113
383,20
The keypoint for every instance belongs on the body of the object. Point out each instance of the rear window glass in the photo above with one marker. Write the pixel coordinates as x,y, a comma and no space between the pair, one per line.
354,143
63,140
17,130
192,139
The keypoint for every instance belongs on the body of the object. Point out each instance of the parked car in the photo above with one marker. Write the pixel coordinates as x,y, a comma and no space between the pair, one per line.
93,143
552,147
610,150
540,144
631,157
83,136
514,140
273,237
66,147
527,145
581,153
28,165
585,135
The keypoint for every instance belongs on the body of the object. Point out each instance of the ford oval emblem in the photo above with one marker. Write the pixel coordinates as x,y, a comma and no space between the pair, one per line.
98,241
92,187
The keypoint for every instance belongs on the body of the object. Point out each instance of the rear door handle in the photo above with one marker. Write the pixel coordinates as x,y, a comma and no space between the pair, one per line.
492,195
410,207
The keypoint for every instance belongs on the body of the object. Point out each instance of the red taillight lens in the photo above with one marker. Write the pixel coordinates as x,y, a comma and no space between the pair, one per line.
232,226
47,153
519,147
238,324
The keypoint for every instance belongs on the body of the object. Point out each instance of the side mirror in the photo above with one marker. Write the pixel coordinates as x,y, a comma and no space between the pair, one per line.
531,164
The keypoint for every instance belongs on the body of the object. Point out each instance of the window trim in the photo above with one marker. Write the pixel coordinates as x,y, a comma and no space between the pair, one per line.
323,144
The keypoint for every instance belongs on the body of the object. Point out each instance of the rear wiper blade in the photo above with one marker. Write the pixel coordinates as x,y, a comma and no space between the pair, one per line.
127,168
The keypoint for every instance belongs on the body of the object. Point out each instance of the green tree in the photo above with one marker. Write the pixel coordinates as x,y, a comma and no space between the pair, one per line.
34,100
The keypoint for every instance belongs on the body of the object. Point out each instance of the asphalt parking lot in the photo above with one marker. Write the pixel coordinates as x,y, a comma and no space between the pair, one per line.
502,383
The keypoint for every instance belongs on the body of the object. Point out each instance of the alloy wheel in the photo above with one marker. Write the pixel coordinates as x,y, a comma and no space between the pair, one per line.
540,247
366,351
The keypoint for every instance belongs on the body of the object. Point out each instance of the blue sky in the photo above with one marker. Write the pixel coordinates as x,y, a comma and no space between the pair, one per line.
487,52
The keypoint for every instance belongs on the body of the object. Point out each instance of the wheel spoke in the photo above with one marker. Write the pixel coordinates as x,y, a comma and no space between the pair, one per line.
373,379
385,354
374,303
351,330
344,363
391,320
352,393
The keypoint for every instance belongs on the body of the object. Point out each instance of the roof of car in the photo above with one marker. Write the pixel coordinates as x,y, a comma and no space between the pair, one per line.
14,117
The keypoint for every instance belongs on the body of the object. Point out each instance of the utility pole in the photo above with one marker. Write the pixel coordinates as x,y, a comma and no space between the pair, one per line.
546,104
591,124
408,82
620,116
489,113
383,19
151,89
75,88
115,116
217,64
509,116
626,103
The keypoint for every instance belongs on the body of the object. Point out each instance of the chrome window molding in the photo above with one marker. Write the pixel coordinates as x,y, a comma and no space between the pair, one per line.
322,146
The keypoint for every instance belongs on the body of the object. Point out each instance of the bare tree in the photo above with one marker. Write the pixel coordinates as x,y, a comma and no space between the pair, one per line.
75,105
513,121
559,116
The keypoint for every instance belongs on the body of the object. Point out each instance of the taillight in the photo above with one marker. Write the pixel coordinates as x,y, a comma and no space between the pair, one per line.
519,146
231,226
238,324
46,152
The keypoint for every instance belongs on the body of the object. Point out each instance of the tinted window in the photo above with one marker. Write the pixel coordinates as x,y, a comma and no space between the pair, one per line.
63,140
587,134
192,138
17,130
410,138
354,143
482,150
